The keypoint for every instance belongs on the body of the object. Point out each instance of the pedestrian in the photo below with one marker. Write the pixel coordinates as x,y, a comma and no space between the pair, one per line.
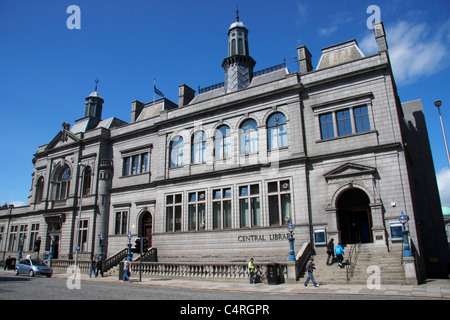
126,271
251,270
339,254
93,266
310,269
330,251
7,262
99,267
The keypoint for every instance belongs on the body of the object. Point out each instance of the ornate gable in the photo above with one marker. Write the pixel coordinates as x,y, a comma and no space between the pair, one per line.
63,138
349,170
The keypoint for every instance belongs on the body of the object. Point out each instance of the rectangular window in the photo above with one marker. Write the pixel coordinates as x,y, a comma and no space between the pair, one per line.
326,126
23,230
13,245
362,119
279,202
249,206
344,122
136,164
83,235
173,212
121,222
33,235
196,208
222,208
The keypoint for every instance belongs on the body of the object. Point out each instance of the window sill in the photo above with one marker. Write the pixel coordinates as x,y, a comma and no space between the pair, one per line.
348,136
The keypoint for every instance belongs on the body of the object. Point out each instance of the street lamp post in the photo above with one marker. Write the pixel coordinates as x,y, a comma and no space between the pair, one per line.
129,246
77,247
438,104
404,219
101,245
21,240
52,247
291,241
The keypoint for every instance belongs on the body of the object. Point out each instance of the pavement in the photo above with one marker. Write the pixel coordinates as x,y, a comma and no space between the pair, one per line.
432,289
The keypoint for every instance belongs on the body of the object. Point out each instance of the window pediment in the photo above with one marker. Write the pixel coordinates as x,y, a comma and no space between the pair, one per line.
349,170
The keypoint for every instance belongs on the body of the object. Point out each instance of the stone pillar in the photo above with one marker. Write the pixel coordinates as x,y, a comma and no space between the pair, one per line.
378,228
332,228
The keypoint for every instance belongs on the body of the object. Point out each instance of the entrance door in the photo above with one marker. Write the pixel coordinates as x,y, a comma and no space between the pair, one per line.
147,227
355,220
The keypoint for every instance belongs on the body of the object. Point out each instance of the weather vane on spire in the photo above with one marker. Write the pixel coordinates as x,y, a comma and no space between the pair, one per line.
96,82
237,12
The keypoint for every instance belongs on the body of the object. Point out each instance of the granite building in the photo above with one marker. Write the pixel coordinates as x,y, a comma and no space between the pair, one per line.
219,174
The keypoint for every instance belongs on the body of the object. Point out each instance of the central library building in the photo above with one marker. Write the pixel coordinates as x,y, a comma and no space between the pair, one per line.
220,174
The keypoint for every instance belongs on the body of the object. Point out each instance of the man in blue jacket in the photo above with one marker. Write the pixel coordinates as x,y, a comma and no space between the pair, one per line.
339,254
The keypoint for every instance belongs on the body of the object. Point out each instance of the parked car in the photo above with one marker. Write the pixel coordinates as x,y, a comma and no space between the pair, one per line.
33,267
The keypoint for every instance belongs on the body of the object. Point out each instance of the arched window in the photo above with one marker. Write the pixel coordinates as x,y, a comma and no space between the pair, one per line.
277,131
63,183
39,190
249,137
223,142
87,181
199,147
176,152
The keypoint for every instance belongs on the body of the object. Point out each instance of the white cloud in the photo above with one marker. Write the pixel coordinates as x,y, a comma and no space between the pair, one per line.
443,180
415,49
327,31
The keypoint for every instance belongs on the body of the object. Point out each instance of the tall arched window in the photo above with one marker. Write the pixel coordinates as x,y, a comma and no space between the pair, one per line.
39,190
63,183
87,181
249,137
176,152
199,147
277,131
223,142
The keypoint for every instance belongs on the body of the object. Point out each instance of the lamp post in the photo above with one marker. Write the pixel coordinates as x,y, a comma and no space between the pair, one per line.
438,104
77,247
404,219
291,241
129,246
21,240
101,245
52,247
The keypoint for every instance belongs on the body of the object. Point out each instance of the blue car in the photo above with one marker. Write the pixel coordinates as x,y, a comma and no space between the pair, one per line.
33,267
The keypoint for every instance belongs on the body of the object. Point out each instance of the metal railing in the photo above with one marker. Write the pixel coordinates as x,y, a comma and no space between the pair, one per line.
351,260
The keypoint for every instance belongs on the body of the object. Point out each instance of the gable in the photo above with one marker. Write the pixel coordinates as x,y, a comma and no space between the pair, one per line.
62,139
349,170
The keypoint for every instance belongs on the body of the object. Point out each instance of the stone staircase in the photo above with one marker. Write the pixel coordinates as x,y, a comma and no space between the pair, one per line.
388,264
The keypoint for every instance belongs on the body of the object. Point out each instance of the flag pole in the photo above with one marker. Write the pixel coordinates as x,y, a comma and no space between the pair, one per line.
154,86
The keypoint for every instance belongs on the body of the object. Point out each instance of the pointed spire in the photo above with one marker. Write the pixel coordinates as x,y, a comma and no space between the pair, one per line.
237,13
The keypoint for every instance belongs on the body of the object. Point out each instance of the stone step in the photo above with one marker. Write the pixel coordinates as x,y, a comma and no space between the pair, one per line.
391,269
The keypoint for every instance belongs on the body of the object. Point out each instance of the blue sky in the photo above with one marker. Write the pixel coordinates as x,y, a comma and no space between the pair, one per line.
47,70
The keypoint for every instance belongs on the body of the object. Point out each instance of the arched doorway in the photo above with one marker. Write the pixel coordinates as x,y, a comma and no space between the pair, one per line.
147,227
354,217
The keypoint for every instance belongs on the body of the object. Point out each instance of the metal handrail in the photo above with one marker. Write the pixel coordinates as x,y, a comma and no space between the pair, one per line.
351,260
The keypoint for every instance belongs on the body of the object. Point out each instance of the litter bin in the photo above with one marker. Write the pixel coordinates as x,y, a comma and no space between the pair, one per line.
12,264
121,271
273,273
